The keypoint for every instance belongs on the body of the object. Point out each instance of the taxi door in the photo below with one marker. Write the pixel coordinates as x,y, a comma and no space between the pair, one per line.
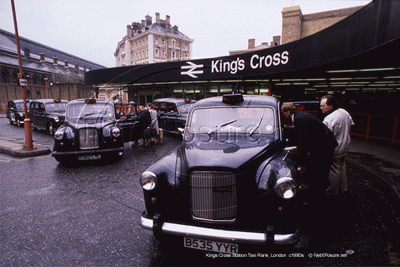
127,119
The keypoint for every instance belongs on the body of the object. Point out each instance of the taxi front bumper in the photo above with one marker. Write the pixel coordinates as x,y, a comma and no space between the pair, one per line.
241,237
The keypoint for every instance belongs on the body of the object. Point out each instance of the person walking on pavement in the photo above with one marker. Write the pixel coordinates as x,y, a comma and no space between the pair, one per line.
316,145
339,122
153,130
144,122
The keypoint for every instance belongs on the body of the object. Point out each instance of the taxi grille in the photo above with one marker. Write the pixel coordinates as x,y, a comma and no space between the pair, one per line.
88,138
213,196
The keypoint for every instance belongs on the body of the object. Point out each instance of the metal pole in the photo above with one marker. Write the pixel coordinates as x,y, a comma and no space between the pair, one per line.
47,91
27,121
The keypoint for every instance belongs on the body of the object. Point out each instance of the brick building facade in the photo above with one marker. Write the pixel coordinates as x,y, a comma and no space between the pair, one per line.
295,25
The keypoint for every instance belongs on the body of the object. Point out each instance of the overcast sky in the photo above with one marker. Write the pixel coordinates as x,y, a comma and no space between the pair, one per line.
91,29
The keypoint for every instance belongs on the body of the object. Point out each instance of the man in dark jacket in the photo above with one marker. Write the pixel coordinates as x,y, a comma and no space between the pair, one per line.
316,145
144,122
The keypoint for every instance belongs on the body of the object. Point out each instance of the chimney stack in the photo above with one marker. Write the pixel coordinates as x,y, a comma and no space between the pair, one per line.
42,60
55,62
27,54
252,43
77,67
276,40
158,18
66,64
129,31
149,20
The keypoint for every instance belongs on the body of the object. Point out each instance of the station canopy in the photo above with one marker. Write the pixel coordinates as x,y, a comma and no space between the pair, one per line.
361,52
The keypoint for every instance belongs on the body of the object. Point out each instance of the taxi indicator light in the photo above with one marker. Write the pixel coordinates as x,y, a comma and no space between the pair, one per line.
57,100
232,99
188,100
90,101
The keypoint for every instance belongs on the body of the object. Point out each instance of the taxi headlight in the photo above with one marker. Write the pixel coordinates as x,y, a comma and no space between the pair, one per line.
286,187
148,180
115,132
59,135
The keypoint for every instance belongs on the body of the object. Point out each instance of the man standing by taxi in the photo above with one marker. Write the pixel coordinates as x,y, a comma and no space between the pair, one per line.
339,122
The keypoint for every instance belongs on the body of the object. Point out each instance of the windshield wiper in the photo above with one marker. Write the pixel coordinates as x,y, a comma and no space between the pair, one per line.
258,124
221,125
87,115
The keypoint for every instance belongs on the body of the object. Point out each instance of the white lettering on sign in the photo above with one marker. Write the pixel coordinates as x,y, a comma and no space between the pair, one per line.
227,66
257,62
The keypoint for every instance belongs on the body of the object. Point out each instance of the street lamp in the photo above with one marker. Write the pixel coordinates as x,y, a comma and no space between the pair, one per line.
22,83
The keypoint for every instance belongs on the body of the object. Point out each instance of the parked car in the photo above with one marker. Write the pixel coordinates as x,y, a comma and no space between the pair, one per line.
15,111
232,181
172,113
47,114
90,132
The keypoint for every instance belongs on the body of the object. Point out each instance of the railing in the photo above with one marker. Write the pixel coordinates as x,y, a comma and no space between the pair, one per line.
375,126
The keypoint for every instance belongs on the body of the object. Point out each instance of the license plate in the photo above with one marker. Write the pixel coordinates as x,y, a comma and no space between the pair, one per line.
89,157
208,245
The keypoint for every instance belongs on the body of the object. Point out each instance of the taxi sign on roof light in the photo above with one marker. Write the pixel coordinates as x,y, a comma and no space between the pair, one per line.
232,99
90,101
57,100
188,100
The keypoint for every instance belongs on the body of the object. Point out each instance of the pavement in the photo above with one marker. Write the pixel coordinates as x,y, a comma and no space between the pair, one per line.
382,159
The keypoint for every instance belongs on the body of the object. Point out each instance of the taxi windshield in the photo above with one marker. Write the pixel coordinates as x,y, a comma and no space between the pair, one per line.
20,106
250,120
80,111
56,107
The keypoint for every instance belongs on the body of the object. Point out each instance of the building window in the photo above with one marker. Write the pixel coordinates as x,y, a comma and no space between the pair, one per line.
180,56
173,55
156,40
163,54
186,56
163,41
173,43
157,52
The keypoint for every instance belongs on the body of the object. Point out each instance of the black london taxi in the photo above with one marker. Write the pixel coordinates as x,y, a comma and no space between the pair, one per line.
90,132
47,114
172,113
232,182
15,111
